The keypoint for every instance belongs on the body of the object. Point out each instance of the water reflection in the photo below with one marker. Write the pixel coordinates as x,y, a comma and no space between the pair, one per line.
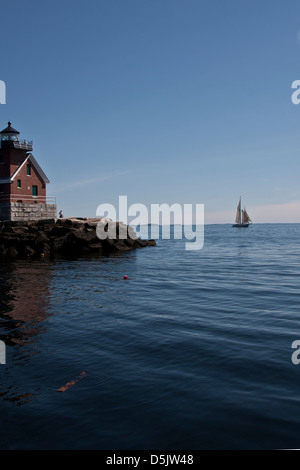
24,298
19,399
24,301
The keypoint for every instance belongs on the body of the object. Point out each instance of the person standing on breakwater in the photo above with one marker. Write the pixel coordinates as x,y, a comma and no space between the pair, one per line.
61,215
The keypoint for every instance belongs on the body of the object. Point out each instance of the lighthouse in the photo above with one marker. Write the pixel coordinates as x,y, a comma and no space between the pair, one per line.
22,181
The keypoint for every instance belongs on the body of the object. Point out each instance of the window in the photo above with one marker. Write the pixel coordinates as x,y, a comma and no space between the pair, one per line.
19,183
28,169
1,159
34,190
1,188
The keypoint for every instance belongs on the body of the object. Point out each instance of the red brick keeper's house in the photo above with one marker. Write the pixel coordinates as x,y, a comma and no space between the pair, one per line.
22,181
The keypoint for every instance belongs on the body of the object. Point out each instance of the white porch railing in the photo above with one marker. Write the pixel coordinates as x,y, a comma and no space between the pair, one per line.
27,199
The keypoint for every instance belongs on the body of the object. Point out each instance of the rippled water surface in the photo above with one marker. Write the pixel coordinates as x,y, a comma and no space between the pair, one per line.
193,352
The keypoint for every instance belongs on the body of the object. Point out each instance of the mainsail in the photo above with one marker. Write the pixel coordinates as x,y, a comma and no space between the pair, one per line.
238,213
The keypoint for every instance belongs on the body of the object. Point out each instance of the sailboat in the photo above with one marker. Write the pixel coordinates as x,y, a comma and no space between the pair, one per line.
242,218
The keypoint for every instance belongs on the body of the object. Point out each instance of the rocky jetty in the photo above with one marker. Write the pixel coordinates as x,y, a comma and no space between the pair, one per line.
65,237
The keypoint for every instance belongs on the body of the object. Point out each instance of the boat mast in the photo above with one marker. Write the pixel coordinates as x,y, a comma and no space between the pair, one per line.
240,210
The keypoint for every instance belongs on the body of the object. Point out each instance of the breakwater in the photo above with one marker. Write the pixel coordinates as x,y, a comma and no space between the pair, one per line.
69,236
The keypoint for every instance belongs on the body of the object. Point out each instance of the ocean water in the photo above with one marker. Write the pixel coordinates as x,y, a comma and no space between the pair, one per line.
192,352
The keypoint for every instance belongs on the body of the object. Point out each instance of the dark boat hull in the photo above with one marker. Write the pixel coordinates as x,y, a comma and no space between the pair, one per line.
241,225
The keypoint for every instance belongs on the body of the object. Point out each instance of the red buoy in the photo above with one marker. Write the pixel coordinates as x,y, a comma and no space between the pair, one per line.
126,277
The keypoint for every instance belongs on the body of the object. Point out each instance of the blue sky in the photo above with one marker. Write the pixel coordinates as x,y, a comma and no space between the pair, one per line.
184,101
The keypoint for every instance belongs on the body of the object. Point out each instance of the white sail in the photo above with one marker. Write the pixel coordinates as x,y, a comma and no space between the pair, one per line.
238,213
245,217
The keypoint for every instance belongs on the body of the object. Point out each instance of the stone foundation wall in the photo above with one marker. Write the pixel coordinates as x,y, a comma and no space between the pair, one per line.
27,212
